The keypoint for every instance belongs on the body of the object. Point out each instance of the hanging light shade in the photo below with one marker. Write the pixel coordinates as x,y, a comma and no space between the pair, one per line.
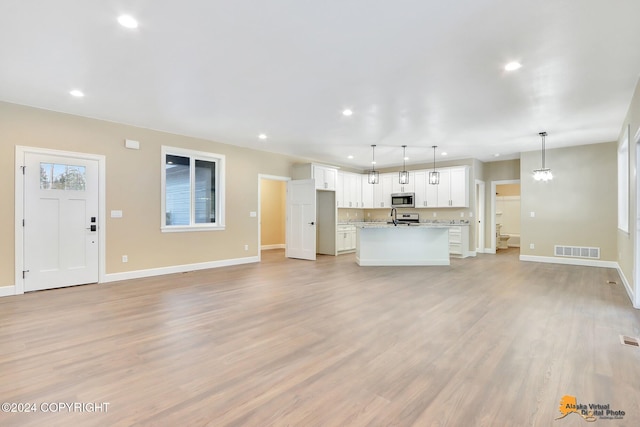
373,176
434,175
403,175
544,173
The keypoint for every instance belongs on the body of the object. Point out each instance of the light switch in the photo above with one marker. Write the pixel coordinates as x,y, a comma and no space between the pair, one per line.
533,214
116,214
252,214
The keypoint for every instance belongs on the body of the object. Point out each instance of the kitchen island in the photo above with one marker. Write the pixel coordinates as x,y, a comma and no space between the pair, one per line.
415,244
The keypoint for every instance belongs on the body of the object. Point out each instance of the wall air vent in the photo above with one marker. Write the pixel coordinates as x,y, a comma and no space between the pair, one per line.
577,252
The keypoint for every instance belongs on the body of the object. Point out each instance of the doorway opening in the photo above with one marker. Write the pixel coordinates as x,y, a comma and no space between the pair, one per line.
272,214
506,217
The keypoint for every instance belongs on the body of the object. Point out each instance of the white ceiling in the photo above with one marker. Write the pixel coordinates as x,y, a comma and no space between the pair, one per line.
414,72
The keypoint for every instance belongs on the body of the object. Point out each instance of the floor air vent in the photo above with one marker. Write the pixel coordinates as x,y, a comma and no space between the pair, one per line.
577,252
633,342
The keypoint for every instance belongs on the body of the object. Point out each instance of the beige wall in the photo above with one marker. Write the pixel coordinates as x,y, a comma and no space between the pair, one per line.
576,208
626,241
133,186
273,209
505,190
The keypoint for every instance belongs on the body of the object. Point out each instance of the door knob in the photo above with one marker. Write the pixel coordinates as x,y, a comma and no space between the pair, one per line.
312,223
92,228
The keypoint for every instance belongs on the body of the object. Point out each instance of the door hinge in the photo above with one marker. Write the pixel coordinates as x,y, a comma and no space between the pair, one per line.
24,273
23,222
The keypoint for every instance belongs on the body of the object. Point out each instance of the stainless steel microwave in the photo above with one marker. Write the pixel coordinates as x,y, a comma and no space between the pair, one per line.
403,200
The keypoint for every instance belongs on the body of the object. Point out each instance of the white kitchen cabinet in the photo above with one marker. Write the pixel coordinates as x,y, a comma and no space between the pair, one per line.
340,190
453,190
403,188
349,190
325,176
346,238
460,187
367,192
426,194
459,240
382,191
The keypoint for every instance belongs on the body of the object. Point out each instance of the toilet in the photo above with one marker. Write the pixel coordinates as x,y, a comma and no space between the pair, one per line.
501,239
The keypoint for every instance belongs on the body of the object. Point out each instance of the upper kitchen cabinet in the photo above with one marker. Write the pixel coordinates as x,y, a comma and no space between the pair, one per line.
349,190
325,176
426,194
403,188
453,190
382,191
340,189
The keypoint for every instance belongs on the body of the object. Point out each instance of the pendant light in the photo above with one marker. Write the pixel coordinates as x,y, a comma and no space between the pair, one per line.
403,175
373,176
434,175
543,174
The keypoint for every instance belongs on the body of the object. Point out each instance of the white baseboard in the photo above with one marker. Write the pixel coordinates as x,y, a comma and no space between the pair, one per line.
490,251
472,253
269,247
6,291
570,261
137,274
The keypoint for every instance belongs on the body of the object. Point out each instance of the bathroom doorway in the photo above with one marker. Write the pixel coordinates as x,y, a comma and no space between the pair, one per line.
507,217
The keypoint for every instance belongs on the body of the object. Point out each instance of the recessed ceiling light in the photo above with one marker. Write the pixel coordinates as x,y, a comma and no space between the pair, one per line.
512,66
444,153
262,136
128,21
405,158
347,112
349,156
373,162
496,155
77,93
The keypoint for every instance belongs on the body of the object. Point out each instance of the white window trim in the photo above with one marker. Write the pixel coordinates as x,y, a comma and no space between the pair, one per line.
220,160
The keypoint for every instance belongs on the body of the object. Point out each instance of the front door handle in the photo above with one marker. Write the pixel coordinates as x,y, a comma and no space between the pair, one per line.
93,227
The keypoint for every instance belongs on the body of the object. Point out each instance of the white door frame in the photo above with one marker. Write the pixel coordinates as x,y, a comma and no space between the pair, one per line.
19,208
636,223
493,210
480,215
273,178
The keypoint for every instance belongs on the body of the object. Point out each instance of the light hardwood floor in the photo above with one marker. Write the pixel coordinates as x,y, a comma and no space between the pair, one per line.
487,341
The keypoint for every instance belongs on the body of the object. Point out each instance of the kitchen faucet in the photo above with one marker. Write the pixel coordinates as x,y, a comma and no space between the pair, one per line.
394,214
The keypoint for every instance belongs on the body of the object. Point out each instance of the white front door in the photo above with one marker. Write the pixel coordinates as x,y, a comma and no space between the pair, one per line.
301,219
60,221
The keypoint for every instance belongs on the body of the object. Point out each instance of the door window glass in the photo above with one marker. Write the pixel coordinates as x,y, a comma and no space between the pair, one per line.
55,176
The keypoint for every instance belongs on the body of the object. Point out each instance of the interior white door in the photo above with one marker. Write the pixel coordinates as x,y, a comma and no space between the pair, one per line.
60,221
301,219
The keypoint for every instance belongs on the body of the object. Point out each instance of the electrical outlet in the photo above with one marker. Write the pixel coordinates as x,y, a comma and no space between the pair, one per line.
347,214
246,247
461,214
368,214
532,246
435,214
125,258
470,214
